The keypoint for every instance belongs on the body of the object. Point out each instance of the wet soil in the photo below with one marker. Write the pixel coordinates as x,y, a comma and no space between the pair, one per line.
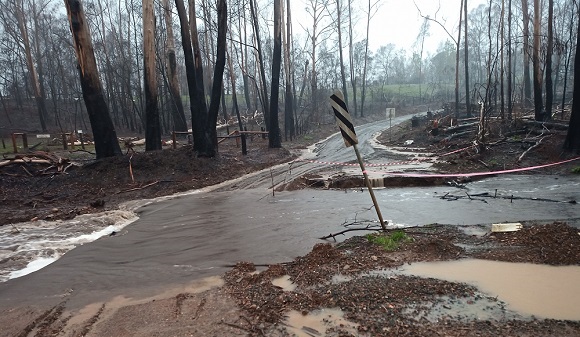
506,145
248,303
32,191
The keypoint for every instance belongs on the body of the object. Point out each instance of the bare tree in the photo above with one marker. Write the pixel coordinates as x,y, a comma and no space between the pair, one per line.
371,11
259,51
274,140
106,143
289,126
340,48
38,95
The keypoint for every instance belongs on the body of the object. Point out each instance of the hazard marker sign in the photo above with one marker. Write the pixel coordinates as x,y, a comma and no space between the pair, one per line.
343,118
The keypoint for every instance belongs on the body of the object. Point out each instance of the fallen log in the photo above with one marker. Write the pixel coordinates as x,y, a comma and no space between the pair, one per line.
24,161
550,125
459,127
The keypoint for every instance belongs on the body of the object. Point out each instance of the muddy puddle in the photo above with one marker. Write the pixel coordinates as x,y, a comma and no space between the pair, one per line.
526,289
285,283
317,322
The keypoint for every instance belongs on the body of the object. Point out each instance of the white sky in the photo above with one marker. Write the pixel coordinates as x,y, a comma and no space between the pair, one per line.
398,21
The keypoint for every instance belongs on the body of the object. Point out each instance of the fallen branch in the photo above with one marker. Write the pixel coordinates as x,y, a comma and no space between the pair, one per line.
333,236
24,161
531,148
138,188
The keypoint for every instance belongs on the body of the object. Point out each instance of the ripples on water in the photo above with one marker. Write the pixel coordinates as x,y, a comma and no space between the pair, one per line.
29,246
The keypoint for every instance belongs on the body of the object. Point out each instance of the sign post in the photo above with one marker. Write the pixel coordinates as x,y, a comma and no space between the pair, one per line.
346,127
390,116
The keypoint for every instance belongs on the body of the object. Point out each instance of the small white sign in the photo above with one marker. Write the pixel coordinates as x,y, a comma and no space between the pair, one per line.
390,112
79,131
43,136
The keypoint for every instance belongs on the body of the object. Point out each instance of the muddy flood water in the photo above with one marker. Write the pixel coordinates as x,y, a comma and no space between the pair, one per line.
528,289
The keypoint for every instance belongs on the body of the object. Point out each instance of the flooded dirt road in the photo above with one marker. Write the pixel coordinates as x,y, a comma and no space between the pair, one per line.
201,234
198,235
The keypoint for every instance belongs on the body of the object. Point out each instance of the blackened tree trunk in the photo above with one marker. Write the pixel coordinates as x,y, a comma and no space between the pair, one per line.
289,129
274,140
199,110
106,142
218,75
177,111
572,142
152,124
466,51
190,72
457,54
509,66
549,81
536,62
526,54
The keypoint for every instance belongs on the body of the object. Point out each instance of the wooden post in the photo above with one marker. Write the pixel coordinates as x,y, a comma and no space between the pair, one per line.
24,141
14,143
369,187
64,142
174,139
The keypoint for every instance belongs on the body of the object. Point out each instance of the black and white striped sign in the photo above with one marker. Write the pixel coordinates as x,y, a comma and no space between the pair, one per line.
343,118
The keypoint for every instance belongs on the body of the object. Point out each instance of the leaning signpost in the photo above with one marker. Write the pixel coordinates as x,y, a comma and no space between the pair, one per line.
346,127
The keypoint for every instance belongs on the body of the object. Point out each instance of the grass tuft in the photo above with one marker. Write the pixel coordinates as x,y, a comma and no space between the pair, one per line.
389,242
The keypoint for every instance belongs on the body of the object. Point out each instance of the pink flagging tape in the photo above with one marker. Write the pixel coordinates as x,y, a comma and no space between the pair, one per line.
473,174
415,161
456,151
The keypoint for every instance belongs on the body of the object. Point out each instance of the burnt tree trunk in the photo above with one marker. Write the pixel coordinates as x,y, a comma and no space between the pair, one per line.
152,124
106,142
572,142
189,68
549,81
177,111
274,140
536,62
289,129
526,54
466,51
218,76
199,110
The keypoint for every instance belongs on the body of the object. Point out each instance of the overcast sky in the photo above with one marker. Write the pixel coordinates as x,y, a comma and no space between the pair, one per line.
398,21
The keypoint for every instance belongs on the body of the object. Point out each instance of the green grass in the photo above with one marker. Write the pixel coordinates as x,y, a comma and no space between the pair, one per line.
389,242
576,170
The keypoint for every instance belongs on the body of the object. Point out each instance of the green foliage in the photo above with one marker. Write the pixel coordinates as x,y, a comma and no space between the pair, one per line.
576,170
389,242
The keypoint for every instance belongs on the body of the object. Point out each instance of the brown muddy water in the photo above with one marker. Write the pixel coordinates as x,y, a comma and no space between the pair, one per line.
528,289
